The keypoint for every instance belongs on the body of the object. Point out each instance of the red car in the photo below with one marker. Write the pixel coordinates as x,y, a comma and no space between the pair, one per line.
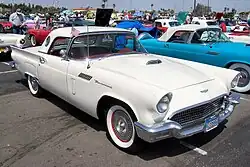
5,25
37,36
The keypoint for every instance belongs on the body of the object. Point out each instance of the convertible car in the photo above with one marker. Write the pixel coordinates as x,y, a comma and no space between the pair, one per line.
203,44
106,73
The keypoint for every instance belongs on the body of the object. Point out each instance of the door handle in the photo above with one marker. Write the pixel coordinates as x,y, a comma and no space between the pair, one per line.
42,60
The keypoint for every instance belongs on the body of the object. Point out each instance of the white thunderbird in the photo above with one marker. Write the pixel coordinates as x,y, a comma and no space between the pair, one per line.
106,73
7,39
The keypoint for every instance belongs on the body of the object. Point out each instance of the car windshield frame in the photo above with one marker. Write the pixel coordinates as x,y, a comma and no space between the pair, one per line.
211,38
136,45
174,23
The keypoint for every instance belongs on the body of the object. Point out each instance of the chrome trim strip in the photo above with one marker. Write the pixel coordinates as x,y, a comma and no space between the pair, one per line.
103,84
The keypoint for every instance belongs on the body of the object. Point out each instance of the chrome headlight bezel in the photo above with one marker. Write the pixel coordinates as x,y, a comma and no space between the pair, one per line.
163,104
235,81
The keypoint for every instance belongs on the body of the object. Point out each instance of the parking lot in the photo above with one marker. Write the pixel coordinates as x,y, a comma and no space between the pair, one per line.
49,132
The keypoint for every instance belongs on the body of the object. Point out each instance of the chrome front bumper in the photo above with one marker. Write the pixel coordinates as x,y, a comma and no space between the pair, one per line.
170,128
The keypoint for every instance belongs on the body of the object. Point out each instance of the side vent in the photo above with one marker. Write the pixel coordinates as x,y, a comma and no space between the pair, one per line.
154,62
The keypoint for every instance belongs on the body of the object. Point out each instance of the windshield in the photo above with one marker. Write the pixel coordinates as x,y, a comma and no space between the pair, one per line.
174,23
211,35
103,45
212,23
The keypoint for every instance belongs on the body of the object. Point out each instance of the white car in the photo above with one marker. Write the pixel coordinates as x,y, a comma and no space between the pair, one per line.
6,40
106,73
205,22
238,38
166,23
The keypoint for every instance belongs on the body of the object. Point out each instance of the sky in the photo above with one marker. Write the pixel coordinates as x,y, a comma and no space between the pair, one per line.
217,5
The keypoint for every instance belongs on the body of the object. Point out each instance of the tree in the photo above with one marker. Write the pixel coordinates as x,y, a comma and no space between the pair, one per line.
152,5
201,10
114,6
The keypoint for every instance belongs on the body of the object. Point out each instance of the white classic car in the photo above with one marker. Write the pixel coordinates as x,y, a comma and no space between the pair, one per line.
6,40
106,73
245,38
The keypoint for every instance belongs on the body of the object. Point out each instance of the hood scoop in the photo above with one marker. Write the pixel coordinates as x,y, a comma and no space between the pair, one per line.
154,62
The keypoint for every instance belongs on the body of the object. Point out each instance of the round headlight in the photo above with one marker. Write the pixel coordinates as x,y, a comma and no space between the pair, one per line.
235,81
163,104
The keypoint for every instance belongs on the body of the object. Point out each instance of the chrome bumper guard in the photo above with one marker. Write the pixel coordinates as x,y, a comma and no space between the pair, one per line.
170,128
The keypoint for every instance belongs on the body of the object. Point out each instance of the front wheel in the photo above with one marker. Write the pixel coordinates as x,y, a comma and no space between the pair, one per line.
34,87
244,82
33,40
121,129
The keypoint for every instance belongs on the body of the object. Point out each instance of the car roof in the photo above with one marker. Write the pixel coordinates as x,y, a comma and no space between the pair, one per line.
66,32
186,27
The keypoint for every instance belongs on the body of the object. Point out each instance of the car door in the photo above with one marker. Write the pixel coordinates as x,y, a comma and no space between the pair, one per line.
205,52
82,87
52,69
178,46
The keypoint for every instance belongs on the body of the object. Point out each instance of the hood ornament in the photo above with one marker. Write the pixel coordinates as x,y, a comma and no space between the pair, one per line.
204,91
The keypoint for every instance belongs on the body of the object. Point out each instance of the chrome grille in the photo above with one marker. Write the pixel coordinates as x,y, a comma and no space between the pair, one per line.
197,113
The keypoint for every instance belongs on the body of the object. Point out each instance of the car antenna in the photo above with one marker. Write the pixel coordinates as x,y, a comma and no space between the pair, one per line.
88,66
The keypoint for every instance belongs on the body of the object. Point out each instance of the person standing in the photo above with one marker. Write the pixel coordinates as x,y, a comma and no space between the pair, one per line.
18,21
37,21
66,19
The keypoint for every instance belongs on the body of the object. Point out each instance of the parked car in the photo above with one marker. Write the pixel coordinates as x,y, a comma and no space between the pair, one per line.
106,73
37,36
5,25
5,41
206,45
239,37
164,24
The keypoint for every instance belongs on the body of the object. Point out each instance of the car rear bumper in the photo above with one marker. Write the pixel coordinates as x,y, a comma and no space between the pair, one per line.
170,128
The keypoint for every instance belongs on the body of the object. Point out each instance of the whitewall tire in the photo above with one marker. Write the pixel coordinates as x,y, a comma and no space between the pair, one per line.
244,82
34,87
121,129
33,40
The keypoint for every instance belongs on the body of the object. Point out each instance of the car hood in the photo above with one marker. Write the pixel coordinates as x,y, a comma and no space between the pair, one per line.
168,74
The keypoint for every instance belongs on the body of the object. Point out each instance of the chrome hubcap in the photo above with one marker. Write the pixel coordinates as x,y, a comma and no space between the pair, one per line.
122,126
244,80
34,84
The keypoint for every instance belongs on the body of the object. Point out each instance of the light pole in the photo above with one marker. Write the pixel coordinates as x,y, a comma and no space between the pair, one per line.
208,4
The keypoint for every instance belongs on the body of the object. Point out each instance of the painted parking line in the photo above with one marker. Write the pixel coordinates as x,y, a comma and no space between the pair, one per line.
6,63
7,72
242,98
191,147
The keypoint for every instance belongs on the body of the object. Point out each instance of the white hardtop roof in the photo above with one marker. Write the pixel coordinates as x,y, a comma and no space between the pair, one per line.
66,32
166,20
186,27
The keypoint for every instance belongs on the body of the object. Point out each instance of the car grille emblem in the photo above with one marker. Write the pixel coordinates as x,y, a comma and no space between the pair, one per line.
204,91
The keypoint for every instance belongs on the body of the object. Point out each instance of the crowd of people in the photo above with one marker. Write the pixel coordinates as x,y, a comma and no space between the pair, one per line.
18,21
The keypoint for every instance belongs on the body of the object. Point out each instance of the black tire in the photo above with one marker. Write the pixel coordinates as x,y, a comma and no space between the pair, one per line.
124,134
1,29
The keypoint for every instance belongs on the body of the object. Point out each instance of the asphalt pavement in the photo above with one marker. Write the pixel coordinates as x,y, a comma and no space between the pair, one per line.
48,132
